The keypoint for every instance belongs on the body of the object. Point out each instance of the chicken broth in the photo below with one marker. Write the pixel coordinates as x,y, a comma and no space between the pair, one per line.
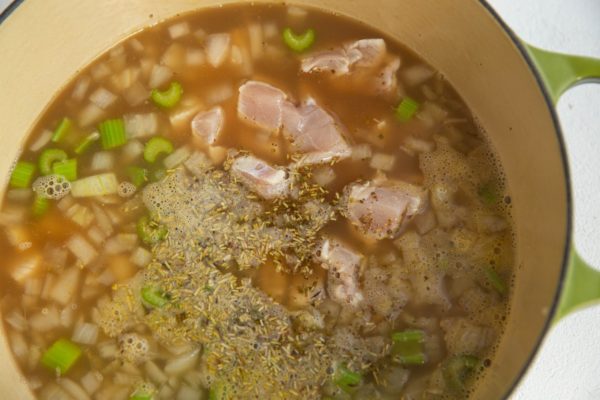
262,202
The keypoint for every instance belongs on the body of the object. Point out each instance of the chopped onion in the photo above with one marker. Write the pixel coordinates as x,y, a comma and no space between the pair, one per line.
177,157
147,65
42,140
218,94
102,161
103,220
182,116
90,114
85,333
155,373
67,316
91,381
54,256
178,30
174,56
217,47
255,35
197,164
65,203
270,30
108,349
141,125
381,161
188,393
120,243
431,114
19,195
16,320
361,152
45,320
103,98
106,278
125,78
81,215
323,176
217,154
96,235
416,74
48,283
73,389
96,185
136,45
82,249
131,151
183,363
11,215
100,71
296,13
419,145
141,257
81,88
23,268
136,94
18,345
17,235
159,76
65,286
195,57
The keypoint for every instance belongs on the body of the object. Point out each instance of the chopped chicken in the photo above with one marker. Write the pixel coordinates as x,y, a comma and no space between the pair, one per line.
361,53
207,125
261,105
344,266
257,175
313,132
382,208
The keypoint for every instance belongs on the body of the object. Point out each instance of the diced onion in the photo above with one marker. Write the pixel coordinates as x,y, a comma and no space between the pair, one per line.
217,154
16,320
90,114
416,74
42,140
18,345
67,316
177,157
141,125
82,249
270,30
178,30
195,57
255,35
65,286
155,373
296,13
91,381
73,389
96,185
85,333
26,267
106,278
136,94
183,363
323,176
188,393
218,94
19,195
132,150
159,76
81,215
120,243
217,48
419,145
81,88
103,220
103,98
100,71
45,320
96,235
141,257
383,162
361,152
174,57
102,161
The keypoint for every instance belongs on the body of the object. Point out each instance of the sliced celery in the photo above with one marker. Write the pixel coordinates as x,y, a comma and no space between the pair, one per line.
61,130
137,175
495,280
168,98
61,356
154,297
406,109
48,158
87,142
407,347
301,42
155,147
458,369
112,133
346,379
22,174
66,168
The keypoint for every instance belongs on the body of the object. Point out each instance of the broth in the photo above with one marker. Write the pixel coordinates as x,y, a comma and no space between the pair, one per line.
254,215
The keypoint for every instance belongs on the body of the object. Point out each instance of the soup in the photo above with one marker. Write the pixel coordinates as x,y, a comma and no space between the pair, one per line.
262,202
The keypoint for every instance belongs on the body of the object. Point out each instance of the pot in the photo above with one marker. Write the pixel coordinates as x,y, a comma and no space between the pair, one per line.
510,86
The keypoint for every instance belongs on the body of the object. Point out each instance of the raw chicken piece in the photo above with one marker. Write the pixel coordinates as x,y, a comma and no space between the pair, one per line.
382,208
261,105
207,125
344,265
257,175
312,131
361,53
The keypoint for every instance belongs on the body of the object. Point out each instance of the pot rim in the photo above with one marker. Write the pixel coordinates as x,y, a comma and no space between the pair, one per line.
565,164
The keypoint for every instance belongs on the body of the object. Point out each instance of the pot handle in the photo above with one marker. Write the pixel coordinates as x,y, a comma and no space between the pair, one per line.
559,73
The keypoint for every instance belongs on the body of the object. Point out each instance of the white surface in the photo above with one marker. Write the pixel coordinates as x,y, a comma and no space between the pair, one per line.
567,366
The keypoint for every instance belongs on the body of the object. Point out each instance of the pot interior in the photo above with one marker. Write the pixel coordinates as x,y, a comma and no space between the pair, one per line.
48,42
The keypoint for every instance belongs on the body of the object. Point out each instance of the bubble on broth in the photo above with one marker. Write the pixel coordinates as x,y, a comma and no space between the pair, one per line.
126,189
53,187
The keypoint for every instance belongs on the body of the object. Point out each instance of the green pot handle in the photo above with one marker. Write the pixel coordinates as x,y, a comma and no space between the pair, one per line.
559,73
